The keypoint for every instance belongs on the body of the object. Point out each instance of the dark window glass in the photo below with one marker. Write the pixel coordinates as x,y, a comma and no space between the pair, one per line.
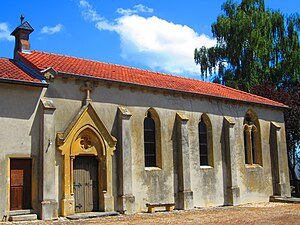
149,141
202,129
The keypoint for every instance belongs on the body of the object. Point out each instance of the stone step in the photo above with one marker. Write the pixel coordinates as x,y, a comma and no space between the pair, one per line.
25,217
20,212
284,199
87,215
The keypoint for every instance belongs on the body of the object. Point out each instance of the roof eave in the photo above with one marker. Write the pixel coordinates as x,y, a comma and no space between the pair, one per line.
23,82
168,89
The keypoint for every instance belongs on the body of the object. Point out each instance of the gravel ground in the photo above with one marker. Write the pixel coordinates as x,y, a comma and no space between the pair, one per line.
261,213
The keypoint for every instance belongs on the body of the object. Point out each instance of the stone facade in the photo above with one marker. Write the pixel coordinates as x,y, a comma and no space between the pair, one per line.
75,116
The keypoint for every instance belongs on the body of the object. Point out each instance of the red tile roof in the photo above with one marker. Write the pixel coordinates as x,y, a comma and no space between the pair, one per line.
9,71
91,68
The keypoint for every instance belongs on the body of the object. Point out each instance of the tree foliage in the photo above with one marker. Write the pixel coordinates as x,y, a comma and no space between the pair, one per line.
291,97
253,44
258,51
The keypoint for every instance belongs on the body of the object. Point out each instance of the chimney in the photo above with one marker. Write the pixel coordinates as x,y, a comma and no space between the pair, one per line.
21,34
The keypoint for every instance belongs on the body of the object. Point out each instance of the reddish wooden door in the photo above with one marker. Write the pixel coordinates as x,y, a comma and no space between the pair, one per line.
20,184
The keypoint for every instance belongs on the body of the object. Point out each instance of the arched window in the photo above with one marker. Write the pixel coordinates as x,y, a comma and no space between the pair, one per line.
149,141
252,139
152,139
205,141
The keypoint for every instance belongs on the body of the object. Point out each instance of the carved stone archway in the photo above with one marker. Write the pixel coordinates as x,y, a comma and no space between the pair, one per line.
86,135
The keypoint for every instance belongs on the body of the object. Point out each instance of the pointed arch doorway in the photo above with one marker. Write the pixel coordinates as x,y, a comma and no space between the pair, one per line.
87,149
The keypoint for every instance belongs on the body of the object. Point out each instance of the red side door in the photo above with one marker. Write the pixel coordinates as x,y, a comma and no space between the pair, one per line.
20,184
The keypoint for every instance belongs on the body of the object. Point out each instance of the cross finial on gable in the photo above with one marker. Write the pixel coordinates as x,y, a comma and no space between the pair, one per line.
88,88
22,18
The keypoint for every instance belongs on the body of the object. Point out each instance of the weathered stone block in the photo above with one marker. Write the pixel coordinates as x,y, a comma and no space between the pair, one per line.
126,204
49,210
186,200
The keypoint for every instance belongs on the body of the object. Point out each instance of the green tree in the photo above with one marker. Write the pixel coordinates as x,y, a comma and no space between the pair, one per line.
258,51
254,44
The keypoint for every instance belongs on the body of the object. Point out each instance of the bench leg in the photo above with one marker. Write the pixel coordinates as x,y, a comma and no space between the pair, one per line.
169,208
150,209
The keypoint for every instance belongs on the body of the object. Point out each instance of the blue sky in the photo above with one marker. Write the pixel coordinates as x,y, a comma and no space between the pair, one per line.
156,35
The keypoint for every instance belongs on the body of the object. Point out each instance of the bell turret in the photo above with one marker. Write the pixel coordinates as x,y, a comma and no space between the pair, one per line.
21,34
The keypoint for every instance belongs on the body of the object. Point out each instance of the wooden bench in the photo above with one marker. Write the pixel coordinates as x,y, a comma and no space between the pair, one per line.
168,206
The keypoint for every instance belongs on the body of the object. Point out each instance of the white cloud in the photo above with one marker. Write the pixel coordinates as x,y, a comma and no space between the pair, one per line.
51,30
151,41
5,33
136,9
88,12
159,43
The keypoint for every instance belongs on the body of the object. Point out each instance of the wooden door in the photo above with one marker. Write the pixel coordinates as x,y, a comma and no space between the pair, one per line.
274,161
20,184
86,184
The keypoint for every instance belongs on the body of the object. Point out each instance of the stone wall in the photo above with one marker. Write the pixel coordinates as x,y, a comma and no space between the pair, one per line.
179,114
161,184
19,136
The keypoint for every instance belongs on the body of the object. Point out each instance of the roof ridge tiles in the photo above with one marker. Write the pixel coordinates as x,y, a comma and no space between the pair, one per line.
85,59
119,65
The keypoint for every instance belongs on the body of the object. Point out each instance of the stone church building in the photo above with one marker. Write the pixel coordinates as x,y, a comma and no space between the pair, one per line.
80,135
